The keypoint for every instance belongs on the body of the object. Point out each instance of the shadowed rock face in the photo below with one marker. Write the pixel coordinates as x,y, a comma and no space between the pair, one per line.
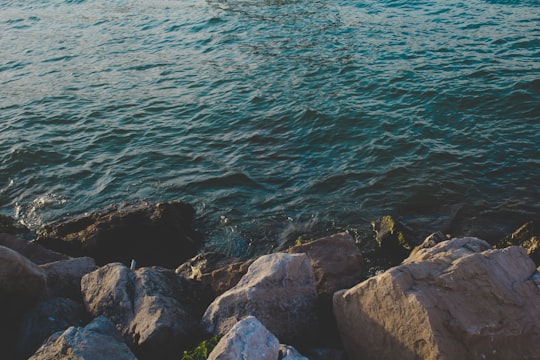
456,300
152,234
156,310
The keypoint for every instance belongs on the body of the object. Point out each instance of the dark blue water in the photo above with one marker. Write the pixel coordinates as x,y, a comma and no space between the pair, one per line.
273,114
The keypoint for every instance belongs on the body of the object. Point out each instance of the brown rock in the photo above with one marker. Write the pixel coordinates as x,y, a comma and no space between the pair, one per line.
218,271
34,252
156,310
279,290
64,277
456,300
336,260
152,234
527,236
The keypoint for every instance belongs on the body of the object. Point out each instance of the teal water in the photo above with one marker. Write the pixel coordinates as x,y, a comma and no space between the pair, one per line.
273,116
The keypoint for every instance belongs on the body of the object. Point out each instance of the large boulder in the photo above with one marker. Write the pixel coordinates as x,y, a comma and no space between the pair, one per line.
43,320
98,340
157,311
36,253
64,277
151,233
247,339
279,290
337,262
456,300
22,283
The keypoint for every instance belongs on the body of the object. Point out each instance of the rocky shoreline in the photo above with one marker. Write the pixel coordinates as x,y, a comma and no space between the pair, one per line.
130,282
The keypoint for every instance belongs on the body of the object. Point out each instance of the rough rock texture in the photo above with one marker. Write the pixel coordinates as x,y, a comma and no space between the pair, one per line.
219,272
43,320
247,340
336,260
279,290
98,340
156,310
527,236
152,234
19,276
430,242
64,277
288,352
34,252
456,300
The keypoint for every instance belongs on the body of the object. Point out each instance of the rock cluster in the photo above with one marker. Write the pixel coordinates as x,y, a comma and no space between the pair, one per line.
444,298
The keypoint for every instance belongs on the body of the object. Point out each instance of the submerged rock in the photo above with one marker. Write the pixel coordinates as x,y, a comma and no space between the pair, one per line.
279,290
151,233
394,239
456,300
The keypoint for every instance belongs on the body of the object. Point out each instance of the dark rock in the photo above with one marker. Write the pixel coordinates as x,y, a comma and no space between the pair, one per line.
430,242
43,320
218,271
22,284
9,225
34,252
98,340
151,233
394,239
527,236
157,311
64,277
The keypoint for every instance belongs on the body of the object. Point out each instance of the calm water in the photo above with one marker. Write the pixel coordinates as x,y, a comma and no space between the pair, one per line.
273,116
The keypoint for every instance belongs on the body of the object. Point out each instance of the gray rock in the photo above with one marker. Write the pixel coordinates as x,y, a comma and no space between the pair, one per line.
290,353
43,320
156,310
99,340
279,290
248,339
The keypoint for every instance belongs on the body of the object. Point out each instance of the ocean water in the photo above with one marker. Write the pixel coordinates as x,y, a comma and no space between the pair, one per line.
274,117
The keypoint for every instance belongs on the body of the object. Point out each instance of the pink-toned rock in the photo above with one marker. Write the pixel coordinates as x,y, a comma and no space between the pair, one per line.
456,300
246,340
279,290
156,310
337,262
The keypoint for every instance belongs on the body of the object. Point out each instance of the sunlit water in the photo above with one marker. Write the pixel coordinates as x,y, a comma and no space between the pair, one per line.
273,116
